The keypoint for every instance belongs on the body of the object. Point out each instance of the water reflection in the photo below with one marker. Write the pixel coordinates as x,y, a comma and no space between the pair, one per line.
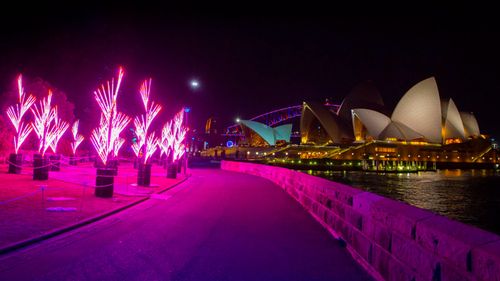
470,196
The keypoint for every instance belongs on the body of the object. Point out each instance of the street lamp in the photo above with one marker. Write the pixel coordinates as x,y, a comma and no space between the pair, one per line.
195,84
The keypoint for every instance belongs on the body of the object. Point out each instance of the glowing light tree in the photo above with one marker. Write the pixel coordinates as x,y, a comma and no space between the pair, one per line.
145,146
16,113
171,144
106,137
166,142
77,140
62,126
46,130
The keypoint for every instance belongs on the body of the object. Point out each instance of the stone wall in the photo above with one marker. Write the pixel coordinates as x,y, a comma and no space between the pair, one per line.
392,240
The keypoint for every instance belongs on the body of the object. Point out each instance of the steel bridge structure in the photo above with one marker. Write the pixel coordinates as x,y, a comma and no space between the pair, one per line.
275,117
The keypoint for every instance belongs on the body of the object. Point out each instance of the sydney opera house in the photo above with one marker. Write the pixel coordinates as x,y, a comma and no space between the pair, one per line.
424,128
421,115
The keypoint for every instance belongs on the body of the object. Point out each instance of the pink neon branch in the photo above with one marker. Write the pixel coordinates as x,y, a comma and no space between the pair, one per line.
60,128
167,138
16,113
106,137
43,125
77,138
145,90
143,122
151,146
117,145
173,135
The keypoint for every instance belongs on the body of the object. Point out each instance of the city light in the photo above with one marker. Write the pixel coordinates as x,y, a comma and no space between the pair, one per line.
106,137
194,84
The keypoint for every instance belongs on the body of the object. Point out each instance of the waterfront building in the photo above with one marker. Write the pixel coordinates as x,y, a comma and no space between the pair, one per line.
259,134
424,131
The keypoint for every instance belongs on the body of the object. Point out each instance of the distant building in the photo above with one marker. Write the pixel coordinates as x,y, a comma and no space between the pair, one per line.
212,135
259,134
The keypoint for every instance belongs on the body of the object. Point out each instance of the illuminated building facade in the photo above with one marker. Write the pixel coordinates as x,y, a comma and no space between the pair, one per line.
424,131
421,115
259,134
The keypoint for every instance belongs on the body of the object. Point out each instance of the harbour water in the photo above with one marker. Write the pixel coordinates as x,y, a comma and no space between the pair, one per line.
469,196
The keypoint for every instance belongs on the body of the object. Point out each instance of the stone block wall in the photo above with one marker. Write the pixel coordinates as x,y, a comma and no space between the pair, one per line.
392,240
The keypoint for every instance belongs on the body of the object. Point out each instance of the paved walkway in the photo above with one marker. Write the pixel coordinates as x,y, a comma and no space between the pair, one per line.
27,211
218,225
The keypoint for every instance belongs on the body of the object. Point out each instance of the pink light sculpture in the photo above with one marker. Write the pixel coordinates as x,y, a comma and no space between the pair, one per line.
106,137
77,138
60,128
118,144
181,131
151,146
16,113
173,135
146,144
43,125
167,139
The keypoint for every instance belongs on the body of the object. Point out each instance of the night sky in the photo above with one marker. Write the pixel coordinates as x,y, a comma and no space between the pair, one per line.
250,63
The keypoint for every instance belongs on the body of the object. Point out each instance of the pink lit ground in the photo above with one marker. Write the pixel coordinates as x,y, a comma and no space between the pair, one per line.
23,206
217,225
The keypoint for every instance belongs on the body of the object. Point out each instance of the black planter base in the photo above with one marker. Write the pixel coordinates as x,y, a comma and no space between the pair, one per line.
144,174
40,167
15,163
110,165
104,183
172,171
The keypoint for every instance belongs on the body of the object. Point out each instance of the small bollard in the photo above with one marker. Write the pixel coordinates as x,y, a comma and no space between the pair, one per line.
42,188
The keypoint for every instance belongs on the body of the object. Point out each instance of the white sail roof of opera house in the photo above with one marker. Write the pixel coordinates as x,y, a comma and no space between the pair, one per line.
471,126
420,110
283,132
269,134
453,127
399,131
374,121
420,114
328,120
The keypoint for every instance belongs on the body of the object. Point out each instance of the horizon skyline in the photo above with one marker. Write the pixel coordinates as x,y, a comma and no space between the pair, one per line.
251,65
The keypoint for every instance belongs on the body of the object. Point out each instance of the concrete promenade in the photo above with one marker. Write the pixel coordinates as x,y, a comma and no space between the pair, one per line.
218,225
391,239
